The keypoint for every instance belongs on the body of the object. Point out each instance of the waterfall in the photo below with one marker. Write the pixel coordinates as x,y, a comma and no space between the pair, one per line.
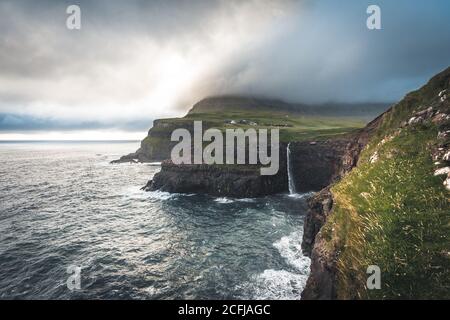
289,171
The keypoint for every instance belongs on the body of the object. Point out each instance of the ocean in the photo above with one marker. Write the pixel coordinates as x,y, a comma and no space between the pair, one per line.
63,205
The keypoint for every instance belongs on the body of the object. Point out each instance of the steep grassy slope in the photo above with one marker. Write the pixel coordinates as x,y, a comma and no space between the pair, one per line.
391,210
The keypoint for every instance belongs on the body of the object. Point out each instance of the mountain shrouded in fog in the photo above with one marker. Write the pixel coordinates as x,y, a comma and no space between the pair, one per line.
136,61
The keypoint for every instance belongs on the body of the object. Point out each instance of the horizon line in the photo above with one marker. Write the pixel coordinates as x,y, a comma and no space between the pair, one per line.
68,140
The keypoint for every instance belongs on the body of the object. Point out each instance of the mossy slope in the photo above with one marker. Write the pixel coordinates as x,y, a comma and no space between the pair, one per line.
391,210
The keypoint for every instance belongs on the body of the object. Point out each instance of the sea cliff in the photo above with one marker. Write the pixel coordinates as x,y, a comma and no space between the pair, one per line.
391,210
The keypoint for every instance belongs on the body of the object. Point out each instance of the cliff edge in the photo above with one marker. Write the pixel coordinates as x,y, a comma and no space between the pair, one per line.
391,210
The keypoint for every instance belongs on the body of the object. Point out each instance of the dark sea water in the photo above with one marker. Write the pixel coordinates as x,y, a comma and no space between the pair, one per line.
63,204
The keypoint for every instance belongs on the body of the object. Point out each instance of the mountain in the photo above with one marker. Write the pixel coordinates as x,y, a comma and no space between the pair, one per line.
225,104
295,121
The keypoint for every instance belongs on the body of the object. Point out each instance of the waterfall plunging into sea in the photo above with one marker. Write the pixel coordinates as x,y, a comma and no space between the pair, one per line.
289,171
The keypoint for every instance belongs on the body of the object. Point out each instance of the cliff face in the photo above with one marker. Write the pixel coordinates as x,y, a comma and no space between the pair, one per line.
391,210
157,145
316,164
218,180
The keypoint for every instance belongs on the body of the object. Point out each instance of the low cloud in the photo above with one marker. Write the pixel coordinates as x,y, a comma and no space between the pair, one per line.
138,60
25,123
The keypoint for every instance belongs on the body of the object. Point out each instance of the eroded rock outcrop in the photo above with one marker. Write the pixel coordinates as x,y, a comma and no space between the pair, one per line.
218,180
320,206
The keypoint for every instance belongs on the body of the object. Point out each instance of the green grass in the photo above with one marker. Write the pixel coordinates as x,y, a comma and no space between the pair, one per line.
395,214
293,127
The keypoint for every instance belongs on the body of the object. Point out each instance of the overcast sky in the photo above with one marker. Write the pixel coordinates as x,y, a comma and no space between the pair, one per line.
136,61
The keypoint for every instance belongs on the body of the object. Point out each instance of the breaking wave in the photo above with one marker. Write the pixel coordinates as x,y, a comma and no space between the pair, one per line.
285,284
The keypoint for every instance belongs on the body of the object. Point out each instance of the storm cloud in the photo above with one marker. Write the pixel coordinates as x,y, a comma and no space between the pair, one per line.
135,61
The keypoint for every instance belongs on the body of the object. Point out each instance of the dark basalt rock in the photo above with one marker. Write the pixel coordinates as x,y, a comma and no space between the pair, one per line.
218,180
321,283
129,158
317,164
319,208
314,166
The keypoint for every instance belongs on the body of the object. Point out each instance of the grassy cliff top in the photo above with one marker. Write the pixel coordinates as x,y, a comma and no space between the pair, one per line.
296,122
392,210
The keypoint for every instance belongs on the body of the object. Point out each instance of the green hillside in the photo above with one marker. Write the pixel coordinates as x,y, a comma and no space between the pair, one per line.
391,210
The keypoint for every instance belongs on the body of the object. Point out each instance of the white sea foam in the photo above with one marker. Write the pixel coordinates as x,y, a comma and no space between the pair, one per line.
246,200
282,284
300,195
279,284
153,163
160,195
290,249
223,200
231,200
136,193
133,192
151,291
